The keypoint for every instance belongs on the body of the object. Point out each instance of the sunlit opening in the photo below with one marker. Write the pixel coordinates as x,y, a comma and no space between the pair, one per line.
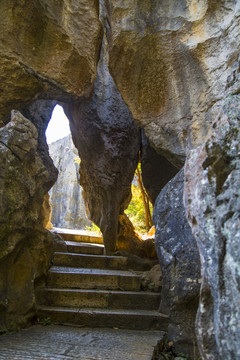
58,126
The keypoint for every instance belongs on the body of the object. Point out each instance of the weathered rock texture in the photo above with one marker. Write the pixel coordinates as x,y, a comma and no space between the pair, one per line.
179,260
66,199
156,169
47,47
169,61
108,143
25,247
128,240
39,113
213,203
46,213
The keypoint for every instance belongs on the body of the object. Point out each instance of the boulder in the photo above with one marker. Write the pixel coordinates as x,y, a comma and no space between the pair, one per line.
152,279
68,210
213,208
48,49
108,143
179,260
25,247
129,241
169,61
39,113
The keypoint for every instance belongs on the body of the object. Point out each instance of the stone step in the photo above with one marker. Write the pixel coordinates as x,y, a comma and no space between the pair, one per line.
90,261
95,317
79,236
69,277
84,248
99,298
70,259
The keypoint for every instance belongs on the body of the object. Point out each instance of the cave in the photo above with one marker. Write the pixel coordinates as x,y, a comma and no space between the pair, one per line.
159,79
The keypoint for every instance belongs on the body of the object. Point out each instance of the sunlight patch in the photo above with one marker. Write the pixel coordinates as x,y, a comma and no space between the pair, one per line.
58,126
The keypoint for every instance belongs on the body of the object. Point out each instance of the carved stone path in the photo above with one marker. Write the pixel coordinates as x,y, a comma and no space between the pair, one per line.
89,289
55,342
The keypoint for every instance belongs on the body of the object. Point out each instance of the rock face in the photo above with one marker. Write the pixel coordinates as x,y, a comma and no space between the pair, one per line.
213,203
25,247
156,169
129,242
169,62
47,47
66,199
108,143
179,260
39,112
46,213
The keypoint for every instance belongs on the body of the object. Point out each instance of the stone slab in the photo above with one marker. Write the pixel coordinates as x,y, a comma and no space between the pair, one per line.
84,248
54,342
93,279
99,298
105,318
79,236
90,261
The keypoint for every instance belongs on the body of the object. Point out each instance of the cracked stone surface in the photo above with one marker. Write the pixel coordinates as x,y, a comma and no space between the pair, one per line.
47,47
213,208
65,343
25,247
179,259
108,143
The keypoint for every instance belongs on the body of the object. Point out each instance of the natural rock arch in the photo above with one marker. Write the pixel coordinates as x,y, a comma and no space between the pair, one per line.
173,66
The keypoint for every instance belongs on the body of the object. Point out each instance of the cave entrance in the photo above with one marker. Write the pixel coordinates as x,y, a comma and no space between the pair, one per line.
65,197
58,126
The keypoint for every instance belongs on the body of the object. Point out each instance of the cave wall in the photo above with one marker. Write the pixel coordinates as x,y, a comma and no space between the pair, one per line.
169,62
25,246
212,198
48,51
170,68
47,47
180,263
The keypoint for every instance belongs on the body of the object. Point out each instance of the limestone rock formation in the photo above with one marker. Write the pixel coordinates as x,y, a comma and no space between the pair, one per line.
213,203
128,240
25,247
156,169
152,280
66,199
47,47
46,213
179,260
39,113
108,142
169,61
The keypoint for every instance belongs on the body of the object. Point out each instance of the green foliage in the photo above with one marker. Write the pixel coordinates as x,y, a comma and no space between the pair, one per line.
4,331
135,210
45,321
93,229
12,328
151,286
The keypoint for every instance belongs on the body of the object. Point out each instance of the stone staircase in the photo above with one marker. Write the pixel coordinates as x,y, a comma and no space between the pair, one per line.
88,289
